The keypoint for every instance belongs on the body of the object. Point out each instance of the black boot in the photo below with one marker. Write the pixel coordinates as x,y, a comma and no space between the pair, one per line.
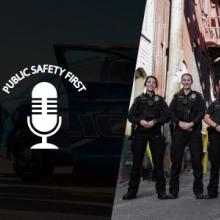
173,196
163,196
209,196
129,195
200,196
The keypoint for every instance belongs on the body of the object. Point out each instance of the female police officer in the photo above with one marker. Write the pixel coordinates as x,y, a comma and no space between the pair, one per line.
187,111
148,112
212,118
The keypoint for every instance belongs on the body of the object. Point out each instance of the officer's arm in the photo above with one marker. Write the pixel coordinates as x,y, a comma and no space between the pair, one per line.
209,121
172,110
164,113
134,112
201,111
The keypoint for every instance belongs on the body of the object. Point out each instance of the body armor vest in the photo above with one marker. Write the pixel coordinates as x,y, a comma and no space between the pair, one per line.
186,107
151,107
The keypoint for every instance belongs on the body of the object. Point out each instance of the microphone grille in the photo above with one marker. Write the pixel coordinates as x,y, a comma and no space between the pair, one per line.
36,107
51,106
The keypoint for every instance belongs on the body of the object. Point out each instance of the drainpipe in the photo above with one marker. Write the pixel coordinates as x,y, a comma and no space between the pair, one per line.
175,47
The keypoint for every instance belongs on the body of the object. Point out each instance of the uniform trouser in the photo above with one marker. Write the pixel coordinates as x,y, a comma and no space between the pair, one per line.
138,148
180,139
214,157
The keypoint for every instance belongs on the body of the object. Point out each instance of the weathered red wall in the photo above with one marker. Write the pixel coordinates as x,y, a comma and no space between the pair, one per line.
162,41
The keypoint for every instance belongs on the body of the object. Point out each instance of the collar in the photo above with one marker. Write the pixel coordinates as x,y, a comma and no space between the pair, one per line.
148,96
183,94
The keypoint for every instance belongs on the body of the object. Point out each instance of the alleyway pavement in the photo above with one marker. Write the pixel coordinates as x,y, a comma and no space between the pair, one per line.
147,207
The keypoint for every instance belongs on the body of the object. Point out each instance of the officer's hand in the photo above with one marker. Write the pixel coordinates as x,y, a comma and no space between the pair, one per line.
181,124
189,125
143,123
150,124
218,128
186,125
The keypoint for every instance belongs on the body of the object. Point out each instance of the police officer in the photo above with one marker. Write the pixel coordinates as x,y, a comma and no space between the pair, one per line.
212,118
187,111
148,112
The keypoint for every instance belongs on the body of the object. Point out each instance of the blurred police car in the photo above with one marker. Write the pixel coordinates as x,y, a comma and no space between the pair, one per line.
93,122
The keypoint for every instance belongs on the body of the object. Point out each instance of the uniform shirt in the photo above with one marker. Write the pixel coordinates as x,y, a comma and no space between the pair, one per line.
214,111
188,108
146,107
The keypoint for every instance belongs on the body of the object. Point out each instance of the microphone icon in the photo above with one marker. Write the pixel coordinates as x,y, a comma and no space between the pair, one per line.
44,121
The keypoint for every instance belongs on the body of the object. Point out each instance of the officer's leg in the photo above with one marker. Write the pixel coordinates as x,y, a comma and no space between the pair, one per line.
179,140
157,147
196,150
138,149
214,155
213,181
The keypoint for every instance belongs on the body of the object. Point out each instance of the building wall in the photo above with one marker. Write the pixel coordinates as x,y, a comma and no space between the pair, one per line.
194,48
145,58
152,55
162,43
154,43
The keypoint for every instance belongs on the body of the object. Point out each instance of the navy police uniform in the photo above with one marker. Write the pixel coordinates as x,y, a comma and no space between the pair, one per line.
214,149
187,108
148,108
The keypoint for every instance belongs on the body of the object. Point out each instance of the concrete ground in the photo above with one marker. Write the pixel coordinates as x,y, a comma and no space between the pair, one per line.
147,207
